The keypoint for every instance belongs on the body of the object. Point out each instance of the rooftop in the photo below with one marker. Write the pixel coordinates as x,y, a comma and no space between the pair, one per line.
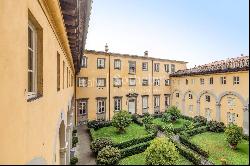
229,65
130,56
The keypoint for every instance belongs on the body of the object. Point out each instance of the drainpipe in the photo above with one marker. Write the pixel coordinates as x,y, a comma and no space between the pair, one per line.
152,84
109,86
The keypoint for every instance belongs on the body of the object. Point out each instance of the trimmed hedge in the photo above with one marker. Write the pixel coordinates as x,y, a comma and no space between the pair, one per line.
135,141
196,131
215,126
130,151
194,147
94,124
245,137
188,154
187,118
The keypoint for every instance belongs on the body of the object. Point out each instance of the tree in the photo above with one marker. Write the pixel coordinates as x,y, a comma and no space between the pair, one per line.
161,152
171,114
100,143
121,120
233,135
108,156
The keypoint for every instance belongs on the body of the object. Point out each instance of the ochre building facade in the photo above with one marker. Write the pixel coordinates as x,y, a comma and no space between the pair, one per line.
218,91
110,82
38,61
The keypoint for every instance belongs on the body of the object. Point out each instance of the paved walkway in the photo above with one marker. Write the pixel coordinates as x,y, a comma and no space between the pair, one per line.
83,152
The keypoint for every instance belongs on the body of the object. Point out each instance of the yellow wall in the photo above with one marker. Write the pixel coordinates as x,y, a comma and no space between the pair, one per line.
218,93
91,92
29,130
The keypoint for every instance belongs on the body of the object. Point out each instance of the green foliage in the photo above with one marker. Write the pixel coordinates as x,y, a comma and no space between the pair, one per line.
99,144
94,124
74,131
168,129
148,119
200,119
171,114
73,161
215,126
233,135
161,152
189,125
121,120
151,128
132,150
135,141
74,141
195,131
108,156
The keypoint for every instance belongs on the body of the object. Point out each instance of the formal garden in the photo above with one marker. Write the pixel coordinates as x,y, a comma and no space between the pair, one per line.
167,139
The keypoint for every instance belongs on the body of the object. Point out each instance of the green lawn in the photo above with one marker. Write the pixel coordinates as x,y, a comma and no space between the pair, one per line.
177,124
218,148
139,159
133,131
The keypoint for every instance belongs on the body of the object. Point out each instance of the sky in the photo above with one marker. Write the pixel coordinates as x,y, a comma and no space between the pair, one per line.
196,31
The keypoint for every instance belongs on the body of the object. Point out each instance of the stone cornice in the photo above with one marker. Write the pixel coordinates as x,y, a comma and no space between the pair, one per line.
131,56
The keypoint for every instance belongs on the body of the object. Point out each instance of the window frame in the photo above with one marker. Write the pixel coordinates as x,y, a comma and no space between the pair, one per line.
211,80
167,82
130,81
130,66
144,63
156,67
147,84
86,81
99,64
116,99
103,105
236,80
208,98
202,81
114,80
115,64
172,68
104,82
166,66
157,82
84,65
82,107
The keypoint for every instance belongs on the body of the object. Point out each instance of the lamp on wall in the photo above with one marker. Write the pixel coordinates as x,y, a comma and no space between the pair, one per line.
106,48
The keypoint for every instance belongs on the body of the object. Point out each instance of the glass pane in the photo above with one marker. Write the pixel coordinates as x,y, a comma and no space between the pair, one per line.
30,38
30,82
30,60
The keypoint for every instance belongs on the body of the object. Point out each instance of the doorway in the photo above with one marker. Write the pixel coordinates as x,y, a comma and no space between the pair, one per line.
132,106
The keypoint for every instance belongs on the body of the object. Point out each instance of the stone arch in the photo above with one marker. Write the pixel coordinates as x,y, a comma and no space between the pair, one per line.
188,91
184,103
206,92
173,96
62,143
234,94
37,161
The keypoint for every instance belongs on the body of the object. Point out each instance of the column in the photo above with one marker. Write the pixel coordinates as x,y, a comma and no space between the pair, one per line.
198,108
246,120
183,107
218,113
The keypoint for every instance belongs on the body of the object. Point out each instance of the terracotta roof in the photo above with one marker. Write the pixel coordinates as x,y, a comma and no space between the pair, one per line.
229,65
131,56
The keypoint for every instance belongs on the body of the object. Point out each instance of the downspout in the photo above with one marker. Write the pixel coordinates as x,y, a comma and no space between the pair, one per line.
109,87
152,72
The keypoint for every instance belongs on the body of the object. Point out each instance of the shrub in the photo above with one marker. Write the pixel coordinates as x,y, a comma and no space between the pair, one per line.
74,141
99,144
73,161
148,119
192,146
233,135
136,120
245,137
187,118
195,131
173,113
200,119
74,131
151,128
98,124
108,156
130,151
161,152
166,117
189,125
168,129
121,120
215,126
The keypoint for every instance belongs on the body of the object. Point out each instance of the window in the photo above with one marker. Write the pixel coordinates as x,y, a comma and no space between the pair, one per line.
145,66
101,82
223,80
207,98
211,80
172,68
202,81
156,67
84,62
100,63
231,102
177,95
231,118
144,104
132,67
191,108
101,106
236,80
117,104
166,68
82,82
167,82
190,96
117,64
32,61
145,82
132,82
82,106
58,72
193,81
117,82
186,81
157,82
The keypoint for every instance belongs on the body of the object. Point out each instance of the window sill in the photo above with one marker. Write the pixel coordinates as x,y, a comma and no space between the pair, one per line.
34,98
132,73
100,113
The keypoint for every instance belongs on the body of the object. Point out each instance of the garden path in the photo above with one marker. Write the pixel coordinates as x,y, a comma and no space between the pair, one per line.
83,151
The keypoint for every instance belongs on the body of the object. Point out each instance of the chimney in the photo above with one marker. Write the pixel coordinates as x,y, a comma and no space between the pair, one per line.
106,48
241,54
146,53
